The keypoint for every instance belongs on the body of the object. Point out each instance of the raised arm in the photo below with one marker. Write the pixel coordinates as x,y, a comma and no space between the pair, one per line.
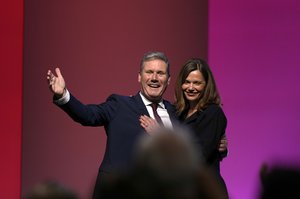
56,82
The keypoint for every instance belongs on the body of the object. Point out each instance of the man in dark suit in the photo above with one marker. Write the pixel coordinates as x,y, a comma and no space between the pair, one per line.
120,114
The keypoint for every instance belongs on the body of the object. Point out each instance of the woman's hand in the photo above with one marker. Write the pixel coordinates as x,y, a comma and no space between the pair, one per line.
149,124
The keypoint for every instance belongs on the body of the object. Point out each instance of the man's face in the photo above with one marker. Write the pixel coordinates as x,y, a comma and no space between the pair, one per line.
154,79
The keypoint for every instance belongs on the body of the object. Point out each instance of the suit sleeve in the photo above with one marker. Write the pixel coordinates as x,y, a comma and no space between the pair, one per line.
91,114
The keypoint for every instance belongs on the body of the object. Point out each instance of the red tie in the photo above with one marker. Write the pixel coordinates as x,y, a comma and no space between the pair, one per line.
156,116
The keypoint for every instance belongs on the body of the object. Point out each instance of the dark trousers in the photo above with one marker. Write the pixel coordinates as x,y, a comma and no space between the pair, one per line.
101,185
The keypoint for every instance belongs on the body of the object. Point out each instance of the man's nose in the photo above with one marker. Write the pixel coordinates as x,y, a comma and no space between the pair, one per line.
154,76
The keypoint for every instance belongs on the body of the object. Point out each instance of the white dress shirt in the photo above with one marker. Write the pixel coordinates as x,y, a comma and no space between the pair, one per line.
161,111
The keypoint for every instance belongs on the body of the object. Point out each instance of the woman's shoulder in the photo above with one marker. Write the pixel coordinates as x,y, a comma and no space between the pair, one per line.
213,109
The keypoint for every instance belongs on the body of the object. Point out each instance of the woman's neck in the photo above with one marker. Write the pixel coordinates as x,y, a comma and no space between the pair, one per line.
193,108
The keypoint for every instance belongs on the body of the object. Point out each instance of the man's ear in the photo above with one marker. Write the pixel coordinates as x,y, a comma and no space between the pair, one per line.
139,77
169,79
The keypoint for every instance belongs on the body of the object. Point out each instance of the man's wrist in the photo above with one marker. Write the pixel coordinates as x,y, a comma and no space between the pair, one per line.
59,96
62,99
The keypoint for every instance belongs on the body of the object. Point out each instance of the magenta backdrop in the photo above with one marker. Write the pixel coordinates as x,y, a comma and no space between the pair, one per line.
98,45
254,51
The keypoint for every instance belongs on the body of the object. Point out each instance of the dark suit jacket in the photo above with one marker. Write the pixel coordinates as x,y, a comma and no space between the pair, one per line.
120,117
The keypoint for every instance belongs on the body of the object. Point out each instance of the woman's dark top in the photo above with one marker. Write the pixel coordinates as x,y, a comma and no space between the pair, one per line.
207,128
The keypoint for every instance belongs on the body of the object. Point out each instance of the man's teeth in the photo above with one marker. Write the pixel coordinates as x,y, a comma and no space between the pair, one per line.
153,85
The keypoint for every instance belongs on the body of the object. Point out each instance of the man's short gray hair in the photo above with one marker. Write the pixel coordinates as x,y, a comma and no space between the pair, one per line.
153,56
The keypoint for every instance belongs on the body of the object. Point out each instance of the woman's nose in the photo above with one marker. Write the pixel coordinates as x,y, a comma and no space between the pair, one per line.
191,86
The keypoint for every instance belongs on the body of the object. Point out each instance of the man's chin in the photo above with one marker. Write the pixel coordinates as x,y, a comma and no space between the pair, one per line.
154,98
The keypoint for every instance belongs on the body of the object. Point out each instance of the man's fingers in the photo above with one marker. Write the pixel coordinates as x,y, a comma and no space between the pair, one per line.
223,141
49,74
222,146
57,70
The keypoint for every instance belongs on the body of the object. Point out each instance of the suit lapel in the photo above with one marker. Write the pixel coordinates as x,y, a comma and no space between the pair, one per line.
139,104
142,110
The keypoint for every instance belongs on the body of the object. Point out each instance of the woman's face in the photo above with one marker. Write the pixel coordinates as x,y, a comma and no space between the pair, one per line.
193,86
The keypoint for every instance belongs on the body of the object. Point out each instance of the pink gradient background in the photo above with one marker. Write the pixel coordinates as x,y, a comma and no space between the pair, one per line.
252,47
254,51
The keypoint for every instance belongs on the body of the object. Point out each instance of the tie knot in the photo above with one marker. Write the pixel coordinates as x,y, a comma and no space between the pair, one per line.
154,106
156,116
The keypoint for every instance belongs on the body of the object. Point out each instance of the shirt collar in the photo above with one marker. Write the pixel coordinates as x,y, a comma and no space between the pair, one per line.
148,102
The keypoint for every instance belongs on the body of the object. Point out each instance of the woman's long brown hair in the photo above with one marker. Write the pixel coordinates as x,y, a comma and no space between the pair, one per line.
210,95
